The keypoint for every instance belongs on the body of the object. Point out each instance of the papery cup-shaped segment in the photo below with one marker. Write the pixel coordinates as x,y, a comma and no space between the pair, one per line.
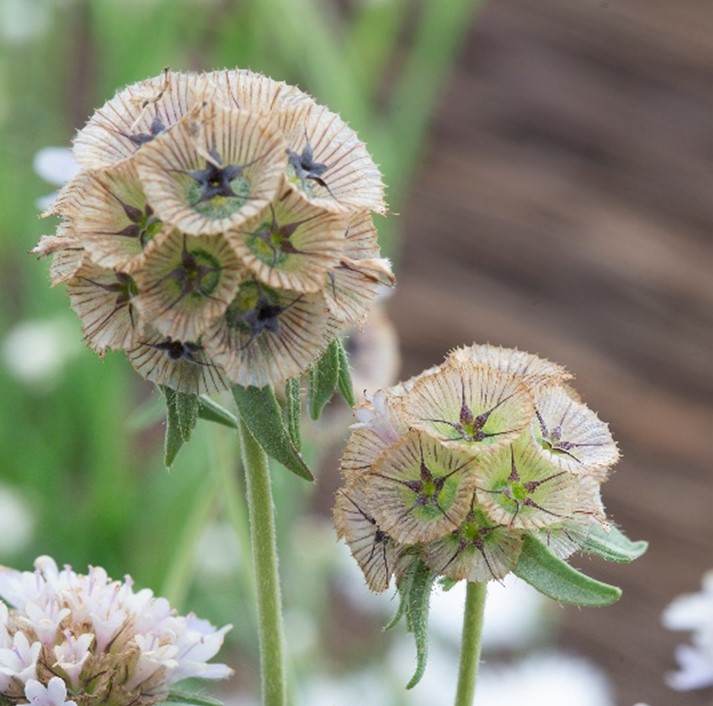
67,252
183,366
214,171
534,370
519,488
187,283
267,335
469,407
327,163
104,301
254,93
479,550
291,244
371,547
136,116
570,435
419,489
107,210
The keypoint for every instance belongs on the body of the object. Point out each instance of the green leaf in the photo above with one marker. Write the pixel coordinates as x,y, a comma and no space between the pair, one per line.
187,410
174,438
417,605
260,411
293,407
211,411
323,380
344,380
613,545
185,697
558,580
447,583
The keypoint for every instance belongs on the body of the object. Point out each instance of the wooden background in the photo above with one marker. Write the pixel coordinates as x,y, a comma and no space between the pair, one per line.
564,207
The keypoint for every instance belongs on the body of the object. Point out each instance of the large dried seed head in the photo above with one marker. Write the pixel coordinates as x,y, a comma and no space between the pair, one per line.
213,171
267,335
291,244
183,366
187,283
519,488
360,274
420,490
327,163
371,547
478,550
106,210
470,407
104,301
570,435
136,116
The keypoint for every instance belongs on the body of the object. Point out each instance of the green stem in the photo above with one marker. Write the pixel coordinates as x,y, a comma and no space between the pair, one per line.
264,549
470,647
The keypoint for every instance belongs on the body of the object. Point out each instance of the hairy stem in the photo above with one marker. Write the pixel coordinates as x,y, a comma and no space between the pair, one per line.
264,550
470,647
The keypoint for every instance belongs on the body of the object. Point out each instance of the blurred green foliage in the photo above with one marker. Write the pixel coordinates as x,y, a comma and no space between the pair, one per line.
92,474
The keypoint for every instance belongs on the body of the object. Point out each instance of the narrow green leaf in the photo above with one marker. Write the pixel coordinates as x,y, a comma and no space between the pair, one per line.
173,439
293,407
187,410
558,580
344,381
613,546
418,603
261,413
211,411
323,380
185,697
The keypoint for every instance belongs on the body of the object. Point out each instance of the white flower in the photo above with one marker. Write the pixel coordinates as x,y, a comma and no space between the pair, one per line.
95,629
693,612
16,521
57,166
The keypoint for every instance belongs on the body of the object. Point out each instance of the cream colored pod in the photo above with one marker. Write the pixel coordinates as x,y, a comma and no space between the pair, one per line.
220,232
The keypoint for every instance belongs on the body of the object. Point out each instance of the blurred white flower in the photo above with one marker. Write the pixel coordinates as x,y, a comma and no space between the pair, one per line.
55,165
35,352
16,521
23,20
217,551
693,612
98,636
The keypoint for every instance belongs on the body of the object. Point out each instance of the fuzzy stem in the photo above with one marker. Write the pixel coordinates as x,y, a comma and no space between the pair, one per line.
470,647
264,549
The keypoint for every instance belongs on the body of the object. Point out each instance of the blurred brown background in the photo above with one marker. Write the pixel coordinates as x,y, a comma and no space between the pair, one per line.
563,207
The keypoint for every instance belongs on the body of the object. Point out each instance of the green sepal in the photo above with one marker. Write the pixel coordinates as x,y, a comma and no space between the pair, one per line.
323,378
211,411
558,580
184,697
613,545
259,409
446,583
181,418
293,411
344,380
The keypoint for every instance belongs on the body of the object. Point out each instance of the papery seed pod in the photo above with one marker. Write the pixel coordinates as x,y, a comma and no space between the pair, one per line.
187,284
104,301
67,252
468,406
519,488
478,550
291,244
137,115
183,366
327,163
267,335
419,489
570,435
374,551
213,171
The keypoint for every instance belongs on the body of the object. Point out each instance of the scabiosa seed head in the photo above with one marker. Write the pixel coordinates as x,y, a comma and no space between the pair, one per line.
220,231
67,638
458,465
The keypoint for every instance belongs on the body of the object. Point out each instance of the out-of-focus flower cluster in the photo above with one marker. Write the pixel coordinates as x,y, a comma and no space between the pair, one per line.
693,612
68,638
458,464
220,230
